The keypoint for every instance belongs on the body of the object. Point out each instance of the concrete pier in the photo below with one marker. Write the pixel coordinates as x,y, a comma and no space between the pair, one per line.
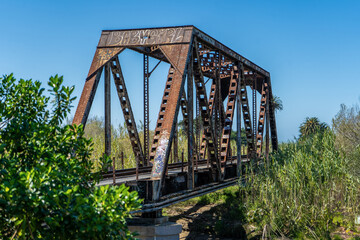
155,229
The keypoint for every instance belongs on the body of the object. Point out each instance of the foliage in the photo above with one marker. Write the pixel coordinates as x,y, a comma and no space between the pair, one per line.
277,103
47,189
233,136
311,126
120,142
346,126
306,192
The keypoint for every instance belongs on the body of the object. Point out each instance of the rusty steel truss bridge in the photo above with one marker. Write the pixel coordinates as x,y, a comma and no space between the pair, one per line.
195,58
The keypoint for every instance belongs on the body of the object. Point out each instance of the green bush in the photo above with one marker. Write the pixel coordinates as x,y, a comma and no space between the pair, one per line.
120,142
304,191
47,188
346,125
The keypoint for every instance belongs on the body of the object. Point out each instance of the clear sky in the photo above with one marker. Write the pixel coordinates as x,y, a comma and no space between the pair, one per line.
310,47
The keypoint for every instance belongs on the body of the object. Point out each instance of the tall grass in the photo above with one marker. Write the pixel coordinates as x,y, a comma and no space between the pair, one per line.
120,143
306,192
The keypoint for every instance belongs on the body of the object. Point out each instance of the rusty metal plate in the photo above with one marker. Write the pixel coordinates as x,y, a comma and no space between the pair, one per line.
177,54
168,35
145,37
102,56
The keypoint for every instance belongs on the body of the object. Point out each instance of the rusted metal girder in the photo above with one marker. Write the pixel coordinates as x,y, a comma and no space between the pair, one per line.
261,121
238,124
166,36
190,130
102,56
107,108
254,128
246,112
218,107
127,110
184,106
267,118
211,104
158,126
209,130
230,109
192,55
146,110
178,56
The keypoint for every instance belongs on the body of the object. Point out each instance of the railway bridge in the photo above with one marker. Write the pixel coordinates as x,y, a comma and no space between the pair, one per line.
207,81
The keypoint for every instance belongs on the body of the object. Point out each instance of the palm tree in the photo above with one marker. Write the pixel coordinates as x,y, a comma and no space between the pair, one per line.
277,103
310,126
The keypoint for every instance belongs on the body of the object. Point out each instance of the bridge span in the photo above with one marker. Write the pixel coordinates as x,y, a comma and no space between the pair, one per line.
207,81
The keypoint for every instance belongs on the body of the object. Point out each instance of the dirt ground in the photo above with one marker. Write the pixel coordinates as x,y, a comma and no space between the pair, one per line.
198,221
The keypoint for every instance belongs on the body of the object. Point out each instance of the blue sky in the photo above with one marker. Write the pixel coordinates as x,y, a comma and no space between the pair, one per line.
311,48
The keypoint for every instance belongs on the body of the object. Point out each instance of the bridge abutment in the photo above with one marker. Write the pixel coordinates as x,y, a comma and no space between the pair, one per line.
155,228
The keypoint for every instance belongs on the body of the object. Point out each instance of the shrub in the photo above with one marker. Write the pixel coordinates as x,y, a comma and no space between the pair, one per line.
346,126
307,187
47,189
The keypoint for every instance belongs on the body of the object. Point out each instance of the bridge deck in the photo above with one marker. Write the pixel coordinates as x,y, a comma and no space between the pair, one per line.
126,177
129,175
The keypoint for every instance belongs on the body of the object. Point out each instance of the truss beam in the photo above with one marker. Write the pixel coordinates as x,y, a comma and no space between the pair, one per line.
127,110
146,110
209,130
230,109
192,55
261,121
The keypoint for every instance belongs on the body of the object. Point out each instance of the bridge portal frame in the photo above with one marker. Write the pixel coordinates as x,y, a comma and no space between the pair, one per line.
193,56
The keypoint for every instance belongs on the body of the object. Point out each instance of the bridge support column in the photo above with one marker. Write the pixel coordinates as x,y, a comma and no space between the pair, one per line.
155,228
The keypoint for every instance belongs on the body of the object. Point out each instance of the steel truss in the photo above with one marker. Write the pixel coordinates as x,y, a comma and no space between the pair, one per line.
193,56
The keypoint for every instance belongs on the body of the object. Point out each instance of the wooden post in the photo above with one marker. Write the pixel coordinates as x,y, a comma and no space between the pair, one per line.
137,169
175,146
182,161
122,160
114,178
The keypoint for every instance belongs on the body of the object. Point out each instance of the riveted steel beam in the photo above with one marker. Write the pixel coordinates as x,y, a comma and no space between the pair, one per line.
107,108
238,127
165,126
206,115
146,110
102,56
127,110
261,121
212,97
169,35
267,118
230,109
246,111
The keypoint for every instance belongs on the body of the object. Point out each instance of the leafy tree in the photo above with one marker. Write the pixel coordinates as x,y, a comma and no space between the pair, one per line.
346,126
47,189
233,136
311,126
120,143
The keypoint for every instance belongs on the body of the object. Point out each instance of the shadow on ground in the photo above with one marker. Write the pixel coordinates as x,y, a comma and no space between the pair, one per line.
211,221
